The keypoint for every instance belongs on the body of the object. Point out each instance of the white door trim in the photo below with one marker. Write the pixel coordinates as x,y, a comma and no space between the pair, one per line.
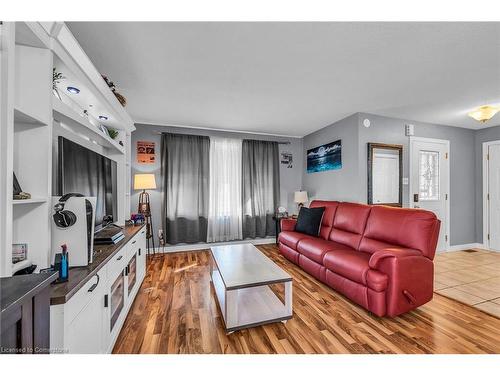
486,216
410,190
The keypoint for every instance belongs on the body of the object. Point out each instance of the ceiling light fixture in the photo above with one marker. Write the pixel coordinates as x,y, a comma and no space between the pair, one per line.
484,113
73,90
104,118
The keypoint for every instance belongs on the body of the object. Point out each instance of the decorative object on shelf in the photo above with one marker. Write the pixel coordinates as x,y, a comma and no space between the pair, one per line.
484,113
61,264
104,129
325,157
19,252
113,133
146,152
300,197
73,90
112,86
18,194
57,77
137,219
142,182
16,189
286,159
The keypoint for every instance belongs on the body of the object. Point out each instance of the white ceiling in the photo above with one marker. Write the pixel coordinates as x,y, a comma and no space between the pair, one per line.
295,78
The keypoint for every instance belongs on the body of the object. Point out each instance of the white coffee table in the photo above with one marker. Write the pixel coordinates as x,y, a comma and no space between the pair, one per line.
241,276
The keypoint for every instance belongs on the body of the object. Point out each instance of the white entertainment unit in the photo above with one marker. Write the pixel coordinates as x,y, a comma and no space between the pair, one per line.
32,117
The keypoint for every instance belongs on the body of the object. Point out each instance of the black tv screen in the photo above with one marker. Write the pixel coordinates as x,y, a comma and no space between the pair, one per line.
84,171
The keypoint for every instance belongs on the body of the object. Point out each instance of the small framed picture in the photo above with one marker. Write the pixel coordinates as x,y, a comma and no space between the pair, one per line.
19,252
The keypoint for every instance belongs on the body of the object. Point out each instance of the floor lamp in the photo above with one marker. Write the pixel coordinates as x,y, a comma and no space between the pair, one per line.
142,182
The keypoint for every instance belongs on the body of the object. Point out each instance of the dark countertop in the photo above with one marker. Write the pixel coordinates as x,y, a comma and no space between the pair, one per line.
16,289
78,276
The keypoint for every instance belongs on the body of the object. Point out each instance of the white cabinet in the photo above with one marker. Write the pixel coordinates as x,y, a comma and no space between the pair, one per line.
85,333
91,320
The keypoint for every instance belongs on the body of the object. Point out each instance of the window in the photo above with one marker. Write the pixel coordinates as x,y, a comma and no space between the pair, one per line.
429,175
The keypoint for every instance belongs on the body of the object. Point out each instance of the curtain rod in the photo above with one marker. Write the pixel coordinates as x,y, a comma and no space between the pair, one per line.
161,133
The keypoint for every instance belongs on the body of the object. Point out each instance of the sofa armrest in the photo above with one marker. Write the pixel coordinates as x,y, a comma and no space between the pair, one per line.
378,256
288,224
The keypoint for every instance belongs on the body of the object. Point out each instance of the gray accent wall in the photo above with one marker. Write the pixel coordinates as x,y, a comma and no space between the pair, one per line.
462,166
350,183
341,184
290,178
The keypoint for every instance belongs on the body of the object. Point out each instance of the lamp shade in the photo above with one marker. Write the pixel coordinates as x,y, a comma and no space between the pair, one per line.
301,197
144,181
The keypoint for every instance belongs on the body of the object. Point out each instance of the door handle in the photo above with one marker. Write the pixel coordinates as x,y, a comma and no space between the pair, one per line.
139,251
91,289
415,197
119,258
106,303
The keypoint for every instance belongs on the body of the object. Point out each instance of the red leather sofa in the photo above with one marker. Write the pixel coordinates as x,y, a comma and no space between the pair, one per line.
379,257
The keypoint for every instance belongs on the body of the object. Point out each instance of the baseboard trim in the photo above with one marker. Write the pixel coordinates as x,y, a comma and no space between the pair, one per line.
206,245
466,246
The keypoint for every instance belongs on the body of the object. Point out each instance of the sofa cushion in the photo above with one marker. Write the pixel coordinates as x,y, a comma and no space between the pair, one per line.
353,265
316,248
309,220
291,239
328,216
349,223
401,227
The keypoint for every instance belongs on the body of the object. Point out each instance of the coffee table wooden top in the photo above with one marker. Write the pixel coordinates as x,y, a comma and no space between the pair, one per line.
244,266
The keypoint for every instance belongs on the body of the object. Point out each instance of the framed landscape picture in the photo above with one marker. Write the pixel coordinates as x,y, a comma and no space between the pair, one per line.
325,157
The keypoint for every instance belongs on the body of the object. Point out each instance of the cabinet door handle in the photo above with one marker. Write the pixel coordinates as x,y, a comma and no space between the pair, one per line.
127,270
91,289
119,258
139,251
133,242
106,298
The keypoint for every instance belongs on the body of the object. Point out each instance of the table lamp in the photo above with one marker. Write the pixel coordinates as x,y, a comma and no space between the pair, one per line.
300,198
142,182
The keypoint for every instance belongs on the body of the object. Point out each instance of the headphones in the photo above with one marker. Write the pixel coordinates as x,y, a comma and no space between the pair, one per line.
64,218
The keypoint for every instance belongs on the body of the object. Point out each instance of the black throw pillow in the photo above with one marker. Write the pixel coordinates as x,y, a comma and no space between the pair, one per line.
309,220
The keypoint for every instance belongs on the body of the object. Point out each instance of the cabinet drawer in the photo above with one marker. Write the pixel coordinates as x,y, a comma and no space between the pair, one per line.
136,243
118,262
92,288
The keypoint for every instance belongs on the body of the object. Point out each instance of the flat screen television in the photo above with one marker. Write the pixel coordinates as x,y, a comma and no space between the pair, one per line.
84,171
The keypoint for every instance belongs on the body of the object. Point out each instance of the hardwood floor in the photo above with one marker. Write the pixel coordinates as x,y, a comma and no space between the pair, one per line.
176,312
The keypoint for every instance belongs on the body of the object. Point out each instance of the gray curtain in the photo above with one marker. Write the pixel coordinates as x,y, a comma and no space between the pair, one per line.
185,173
260,187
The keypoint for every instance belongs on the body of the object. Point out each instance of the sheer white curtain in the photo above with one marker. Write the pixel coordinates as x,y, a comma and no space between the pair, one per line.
225,213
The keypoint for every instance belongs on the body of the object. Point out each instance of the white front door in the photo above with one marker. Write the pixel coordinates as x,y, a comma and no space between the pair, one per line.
429,181
494,196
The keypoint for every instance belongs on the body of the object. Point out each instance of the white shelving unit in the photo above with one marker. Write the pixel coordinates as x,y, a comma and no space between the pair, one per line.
31,120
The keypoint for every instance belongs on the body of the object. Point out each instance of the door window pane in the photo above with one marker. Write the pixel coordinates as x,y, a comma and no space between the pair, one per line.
429,175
